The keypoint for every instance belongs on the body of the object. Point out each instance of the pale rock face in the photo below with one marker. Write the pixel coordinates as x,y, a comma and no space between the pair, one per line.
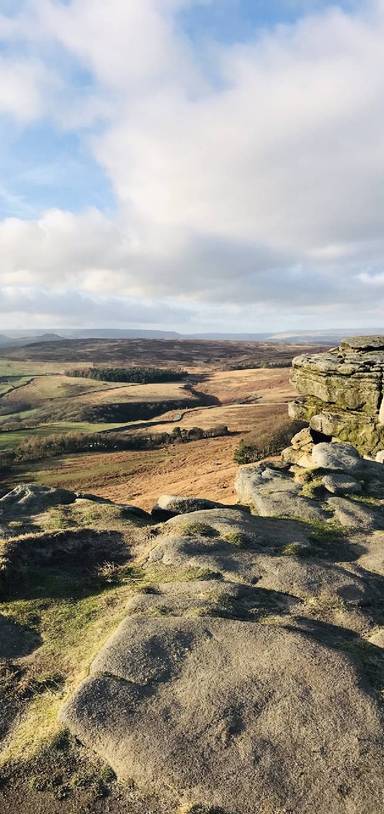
380,457
336,458
303,440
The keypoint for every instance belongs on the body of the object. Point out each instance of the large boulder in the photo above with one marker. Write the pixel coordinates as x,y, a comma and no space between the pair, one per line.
336,458
273,493
229,714
341,392
170,505
33,498
353,514
338,484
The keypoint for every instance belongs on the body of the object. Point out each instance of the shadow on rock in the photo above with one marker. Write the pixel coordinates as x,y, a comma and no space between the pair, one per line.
16,640
367,659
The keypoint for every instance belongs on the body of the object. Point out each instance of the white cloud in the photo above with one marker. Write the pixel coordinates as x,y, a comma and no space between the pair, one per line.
69,306
259,182
22,85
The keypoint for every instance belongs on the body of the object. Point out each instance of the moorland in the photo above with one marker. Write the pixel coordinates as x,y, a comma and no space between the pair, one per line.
119,416
162,650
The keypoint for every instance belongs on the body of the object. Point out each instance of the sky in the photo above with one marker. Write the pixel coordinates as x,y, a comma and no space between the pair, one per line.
193,165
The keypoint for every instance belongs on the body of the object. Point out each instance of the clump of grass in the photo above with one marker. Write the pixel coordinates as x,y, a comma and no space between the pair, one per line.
163,573
110,573
194,527
313,488
295,550
326,604
236,538
372,501
84,514
326,532
73,629
38,725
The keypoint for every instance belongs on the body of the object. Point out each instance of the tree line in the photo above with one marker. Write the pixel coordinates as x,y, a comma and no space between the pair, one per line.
133,375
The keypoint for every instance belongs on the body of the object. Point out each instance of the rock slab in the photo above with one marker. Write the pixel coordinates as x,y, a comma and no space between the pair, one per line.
229,714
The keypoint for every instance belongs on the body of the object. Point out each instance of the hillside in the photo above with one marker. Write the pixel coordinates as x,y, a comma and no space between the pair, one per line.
220,652
186,353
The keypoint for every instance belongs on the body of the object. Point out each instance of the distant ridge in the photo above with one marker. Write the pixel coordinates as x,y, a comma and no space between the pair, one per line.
318,337
6,340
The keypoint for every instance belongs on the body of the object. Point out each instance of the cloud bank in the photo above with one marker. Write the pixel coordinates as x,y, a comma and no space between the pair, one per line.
248,176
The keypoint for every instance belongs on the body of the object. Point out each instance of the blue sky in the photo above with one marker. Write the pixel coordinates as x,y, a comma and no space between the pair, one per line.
213,163
43,166
234,20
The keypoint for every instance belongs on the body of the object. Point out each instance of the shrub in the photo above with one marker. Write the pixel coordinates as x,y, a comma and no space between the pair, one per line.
269,442
37,448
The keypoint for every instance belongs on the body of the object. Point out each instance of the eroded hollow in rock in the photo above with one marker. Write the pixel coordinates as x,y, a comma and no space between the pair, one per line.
319,437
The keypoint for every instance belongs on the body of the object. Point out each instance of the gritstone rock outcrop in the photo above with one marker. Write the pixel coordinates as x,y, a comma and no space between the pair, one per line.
341,392
241,682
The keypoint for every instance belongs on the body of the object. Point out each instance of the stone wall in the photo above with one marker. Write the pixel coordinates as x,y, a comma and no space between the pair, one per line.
341,392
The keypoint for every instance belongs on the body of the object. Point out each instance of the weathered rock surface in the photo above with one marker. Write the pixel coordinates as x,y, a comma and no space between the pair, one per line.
337,468
353,514
170,505
336,458
32,498
272,493
341,392
231,714
339,484
283,557
222,542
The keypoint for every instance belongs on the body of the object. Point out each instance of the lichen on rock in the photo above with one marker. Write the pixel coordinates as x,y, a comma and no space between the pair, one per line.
341,392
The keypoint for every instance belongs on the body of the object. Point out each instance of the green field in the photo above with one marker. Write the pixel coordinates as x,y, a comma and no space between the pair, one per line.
21,368
38,400
40,385
11,440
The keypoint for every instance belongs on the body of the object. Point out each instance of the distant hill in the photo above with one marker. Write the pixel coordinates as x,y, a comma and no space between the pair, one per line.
217,354
318,337
4,340
87,333
328,337
20,341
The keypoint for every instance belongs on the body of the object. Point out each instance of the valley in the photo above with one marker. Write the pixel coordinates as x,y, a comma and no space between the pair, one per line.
235,388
